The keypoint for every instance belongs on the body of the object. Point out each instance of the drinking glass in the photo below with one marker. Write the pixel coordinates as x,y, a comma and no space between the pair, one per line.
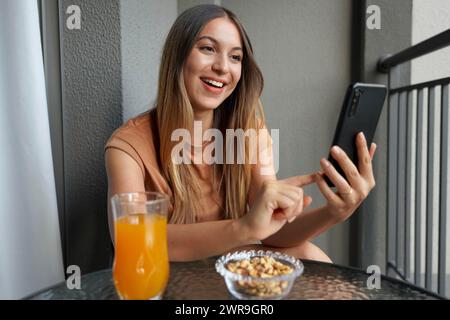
141,261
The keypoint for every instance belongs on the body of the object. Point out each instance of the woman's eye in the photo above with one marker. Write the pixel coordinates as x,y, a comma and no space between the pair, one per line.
236,58
207,48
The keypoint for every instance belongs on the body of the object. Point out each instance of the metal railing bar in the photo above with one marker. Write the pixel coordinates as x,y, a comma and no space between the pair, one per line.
443,199
392,178
408,176
419,86
401,194
418,187
393,267
435,43
430,190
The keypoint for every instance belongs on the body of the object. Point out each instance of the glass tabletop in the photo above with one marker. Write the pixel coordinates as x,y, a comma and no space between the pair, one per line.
199,280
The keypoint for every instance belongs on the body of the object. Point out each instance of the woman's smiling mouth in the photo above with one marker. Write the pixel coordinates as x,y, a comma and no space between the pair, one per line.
212,85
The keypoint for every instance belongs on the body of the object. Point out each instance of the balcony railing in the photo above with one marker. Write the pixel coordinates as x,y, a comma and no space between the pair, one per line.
418,172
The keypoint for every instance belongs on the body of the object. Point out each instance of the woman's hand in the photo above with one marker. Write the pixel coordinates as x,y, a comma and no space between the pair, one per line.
353,190
277,202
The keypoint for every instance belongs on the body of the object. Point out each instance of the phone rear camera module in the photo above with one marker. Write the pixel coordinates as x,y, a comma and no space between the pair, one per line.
354,105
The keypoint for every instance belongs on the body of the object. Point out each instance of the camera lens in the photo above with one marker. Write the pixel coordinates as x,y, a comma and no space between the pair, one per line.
353,110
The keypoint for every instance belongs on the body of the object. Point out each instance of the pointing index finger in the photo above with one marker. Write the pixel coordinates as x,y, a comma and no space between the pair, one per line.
300,181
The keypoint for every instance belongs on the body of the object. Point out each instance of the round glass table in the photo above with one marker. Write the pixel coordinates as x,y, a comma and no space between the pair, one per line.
199,280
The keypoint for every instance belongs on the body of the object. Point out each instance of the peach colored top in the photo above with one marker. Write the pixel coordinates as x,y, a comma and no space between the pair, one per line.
135,138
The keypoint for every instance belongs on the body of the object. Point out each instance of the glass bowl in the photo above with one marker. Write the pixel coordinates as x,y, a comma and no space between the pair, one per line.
247,285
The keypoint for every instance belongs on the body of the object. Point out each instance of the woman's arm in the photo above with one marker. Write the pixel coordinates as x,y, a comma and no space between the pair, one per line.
124,175
200,240
307,226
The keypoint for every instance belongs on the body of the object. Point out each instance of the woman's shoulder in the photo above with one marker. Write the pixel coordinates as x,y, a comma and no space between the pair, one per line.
137,130
135,138
139,125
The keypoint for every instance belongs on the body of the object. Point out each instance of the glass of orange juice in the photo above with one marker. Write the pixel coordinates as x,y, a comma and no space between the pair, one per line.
141,261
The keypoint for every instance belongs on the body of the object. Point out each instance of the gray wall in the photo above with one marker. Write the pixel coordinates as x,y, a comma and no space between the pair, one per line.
91,109
186,4
144,26
430,17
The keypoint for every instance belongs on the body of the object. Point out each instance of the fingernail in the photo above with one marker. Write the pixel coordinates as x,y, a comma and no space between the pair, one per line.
361,136
325,163
336,150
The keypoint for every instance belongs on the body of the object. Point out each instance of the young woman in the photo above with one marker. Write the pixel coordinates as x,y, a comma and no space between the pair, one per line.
208,74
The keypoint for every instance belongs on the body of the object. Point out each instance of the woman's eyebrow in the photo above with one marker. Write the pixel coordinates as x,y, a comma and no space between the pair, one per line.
215,41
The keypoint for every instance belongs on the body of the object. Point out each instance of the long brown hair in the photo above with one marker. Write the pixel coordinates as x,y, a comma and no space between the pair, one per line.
241,110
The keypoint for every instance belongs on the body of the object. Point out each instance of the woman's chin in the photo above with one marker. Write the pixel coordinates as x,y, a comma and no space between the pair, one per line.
204,108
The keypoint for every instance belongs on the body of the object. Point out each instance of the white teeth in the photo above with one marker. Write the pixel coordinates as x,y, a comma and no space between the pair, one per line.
214,83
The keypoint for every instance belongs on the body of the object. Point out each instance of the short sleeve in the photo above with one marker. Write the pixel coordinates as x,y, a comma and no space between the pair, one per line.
116,142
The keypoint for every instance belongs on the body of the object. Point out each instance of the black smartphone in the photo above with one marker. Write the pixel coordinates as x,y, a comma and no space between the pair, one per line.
361,111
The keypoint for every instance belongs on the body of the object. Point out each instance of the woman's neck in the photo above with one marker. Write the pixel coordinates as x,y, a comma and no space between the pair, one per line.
206,117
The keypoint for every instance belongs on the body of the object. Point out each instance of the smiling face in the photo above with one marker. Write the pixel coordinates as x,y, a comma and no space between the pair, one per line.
213,68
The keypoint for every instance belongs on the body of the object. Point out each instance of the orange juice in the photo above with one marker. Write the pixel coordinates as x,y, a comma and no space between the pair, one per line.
141,265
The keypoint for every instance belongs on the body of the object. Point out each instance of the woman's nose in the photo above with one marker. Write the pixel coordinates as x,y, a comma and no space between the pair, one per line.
221,65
